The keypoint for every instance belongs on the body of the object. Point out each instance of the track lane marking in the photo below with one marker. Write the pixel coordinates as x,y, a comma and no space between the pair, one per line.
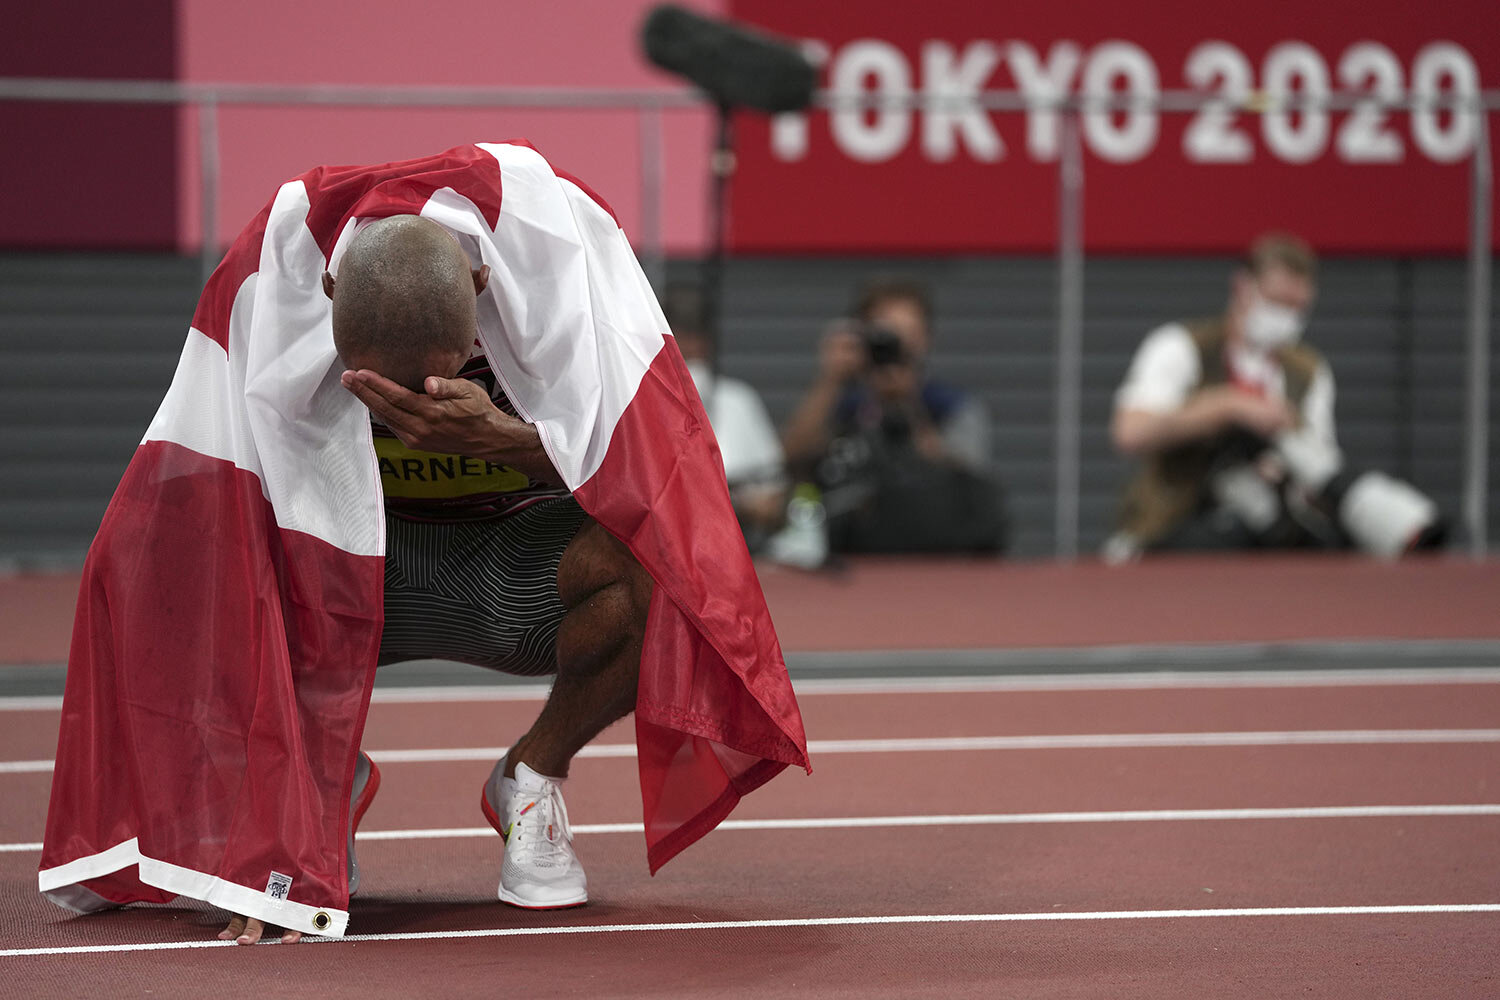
1000,819
856,921
1111,681
1078,741
964,819
937,744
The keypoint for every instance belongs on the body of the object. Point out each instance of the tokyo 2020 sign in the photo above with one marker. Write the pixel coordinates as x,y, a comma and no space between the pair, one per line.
953,176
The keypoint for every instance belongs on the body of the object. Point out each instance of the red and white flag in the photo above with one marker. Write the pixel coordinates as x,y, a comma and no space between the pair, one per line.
231,608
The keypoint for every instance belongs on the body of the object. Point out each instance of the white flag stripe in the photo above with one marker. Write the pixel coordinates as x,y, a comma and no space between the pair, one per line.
193,413
564,305
1054,916
289,421
312,434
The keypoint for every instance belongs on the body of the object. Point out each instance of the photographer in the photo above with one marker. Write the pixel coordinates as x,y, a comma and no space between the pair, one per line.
901,459
1232,420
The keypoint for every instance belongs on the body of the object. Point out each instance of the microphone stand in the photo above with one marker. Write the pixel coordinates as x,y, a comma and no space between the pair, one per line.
722,164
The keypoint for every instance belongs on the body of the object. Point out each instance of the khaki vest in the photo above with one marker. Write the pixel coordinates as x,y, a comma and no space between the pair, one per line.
1173,484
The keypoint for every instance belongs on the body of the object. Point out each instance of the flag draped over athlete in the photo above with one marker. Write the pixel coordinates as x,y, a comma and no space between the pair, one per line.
230,613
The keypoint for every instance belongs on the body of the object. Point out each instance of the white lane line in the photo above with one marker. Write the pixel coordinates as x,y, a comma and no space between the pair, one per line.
1112,681
1152,680
1132,740
857,921
18,848
1118,655
1146,680
964,819
937,744
996,819
25,766
31,703
1080,741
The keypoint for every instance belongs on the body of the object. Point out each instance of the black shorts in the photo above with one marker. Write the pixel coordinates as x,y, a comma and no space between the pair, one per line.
480,592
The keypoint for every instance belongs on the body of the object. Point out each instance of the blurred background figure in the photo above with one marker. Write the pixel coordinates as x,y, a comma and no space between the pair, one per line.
1232,420
902,460
753,461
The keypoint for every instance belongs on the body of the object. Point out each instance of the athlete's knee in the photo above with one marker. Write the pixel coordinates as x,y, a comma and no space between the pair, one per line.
600,576
607,616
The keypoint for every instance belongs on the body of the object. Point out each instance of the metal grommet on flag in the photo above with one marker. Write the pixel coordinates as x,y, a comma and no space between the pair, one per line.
321,920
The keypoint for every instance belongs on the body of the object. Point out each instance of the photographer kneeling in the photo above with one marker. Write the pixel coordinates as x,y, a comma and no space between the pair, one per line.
901,459
1232,419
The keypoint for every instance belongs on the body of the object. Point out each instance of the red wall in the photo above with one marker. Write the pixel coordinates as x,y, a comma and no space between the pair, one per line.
113,176
572,43
88,175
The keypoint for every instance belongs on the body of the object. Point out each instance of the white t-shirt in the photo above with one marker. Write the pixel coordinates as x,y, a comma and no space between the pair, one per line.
747,438
1166,371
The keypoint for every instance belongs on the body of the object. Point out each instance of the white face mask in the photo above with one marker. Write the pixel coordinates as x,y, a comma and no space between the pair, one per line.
1269,326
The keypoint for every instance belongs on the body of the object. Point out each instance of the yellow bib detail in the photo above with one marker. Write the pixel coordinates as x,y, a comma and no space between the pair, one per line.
427,475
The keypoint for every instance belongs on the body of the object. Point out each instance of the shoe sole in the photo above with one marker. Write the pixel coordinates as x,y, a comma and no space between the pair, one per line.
362,806
509,900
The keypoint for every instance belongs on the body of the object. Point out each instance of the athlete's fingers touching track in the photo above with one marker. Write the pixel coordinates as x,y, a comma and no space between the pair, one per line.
235,929
248,930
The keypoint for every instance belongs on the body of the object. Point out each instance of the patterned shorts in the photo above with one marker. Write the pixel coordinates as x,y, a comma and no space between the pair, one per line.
480,592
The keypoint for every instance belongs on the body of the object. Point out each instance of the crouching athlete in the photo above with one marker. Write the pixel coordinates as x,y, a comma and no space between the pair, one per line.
489,559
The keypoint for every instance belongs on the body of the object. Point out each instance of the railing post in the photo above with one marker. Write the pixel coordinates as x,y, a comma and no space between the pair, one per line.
1069,389
651,254
1477,399
208,186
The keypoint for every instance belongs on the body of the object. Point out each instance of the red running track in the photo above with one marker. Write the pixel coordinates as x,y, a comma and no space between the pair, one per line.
931,604
1029,873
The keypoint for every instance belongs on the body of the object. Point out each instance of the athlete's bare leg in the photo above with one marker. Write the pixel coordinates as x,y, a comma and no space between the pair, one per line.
607,595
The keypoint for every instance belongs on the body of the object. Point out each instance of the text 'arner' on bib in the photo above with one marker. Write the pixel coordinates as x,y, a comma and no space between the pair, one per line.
406,472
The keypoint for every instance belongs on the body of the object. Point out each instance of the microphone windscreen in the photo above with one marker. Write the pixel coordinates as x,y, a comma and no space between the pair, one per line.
734,65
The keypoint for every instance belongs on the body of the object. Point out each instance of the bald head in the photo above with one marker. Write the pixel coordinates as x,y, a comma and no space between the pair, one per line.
403,303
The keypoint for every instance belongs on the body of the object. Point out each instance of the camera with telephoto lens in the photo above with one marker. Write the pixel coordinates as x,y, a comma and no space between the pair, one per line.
883,346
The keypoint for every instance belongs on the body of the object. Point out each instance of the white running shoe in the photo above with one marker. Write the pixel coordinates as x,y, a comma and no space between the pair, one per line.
539,870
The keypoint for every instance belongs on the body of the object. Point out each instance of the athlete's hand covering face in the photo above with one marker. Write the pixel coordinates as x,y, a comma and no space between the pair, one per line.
454,417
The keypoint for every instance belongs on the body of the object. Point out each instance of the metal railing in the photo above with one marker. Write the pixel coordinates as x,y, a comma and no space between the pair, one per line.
650,104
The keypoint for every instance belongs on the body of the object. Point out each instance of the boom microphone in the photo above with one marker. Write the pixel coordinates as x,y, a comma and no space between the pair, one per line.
735,66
